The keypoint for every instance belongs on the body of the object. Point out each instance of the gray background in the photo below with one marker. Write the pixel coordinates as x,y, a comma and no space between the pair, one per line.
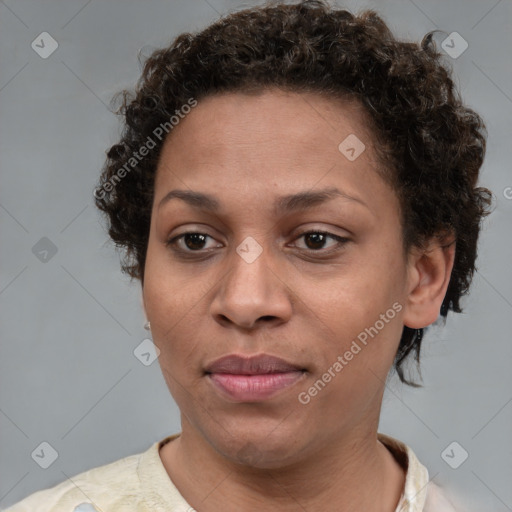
69,325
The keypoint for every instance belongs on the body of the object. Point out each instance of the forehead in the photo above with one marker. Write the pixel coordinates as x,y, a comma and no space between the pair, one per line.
274,139
269,118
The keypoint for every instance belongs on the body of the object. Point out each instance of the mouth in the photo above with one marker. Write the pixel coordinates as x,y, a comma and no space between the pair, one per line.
252,379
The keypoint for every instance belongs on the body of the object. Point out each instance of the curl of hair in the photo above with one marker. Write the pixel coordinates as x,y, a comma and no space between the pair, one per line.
433,146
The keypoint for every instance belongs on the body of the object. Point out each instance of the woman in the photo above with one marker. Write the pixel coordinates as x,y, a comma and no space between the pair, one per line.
296,192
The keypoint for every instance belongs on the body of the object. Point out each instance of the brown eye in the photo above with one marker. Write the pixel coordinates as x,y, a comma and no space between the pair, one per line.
315,241
194,241
191,242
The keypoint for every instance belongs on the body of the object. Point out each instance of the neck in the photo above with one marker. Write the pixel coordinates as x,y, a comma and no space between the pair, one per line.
353,472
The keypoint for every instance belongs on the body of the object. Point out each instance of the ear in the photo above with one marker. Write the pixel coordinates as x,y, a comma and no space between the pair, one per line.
429,272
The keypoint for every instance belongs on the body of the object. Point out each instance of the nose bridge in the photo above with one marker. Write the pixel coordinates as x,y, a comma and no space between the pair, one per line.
250,290
249,272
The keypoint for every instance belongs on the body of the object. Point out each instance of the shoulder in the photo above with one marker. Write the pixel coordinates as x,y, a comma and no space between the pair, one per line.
113,487
420,494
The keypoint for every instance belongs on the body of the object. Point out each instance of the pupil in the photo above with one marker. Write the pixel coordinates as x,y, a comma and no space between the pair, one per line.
318,238
197,238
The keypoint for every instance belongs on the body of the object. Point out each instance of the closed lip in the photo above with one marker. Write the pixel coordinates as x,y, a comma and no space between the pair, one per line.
260,364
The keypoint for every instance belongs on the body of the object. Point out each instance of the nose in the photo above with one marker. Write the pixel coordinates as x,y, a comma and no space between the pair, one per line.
252,293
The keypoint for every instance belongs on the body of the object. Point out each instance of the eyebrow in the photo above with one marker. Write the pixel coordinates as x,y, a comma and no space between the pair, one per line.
283,204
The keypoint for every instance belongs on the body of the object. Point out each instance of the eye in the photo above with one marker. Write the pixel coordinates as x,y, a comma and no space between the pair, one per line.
315,241
192,241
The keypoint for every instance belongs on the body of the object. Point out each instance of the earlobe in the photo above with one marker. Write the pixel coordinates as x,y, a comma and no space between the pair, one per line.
429,274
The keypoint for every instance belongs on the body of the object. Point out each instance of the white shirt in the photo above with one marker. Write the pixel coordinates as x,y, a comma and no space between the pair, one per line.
140,483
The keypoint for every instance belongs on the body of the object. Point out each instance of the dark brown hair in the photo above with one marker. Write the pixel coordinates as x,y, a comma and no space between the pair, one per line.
432,143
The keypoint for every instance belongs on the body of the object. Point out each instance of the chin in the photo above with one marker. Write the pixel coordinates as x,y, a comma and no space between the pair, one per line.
260,448
259,456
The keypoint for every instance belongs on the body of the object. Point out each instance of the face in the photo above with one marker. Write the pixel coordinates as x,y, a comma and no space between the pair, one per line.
277,300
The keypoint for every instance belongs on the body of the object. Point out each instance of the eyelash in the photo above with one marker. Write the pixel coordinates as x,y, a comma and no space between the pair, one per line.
341,242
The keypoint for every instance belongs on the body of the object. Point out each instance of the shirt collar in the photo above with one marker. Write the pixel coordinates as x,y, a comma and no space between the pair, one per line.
161,491
416,475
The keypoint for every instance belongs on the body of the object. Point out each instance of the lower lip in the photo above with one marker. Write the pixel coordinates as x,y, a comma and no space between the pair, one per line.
254,388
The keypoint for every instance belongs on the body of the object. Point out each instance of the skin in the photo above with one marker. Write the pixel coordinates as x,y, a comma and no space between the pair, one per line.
299,300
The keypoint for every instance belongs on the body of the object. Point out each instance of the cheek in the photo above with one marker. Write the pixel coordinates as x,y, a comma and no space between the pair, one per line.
353,365
169,293
361,307
173,303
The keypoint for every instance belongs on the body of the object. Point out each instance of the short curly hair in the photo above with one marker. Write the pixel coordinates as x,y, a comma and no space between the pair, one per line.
431,144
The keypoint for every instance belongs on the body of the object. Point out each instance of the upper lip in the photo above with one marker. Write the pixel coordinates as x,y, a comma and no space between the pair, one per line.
253,365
